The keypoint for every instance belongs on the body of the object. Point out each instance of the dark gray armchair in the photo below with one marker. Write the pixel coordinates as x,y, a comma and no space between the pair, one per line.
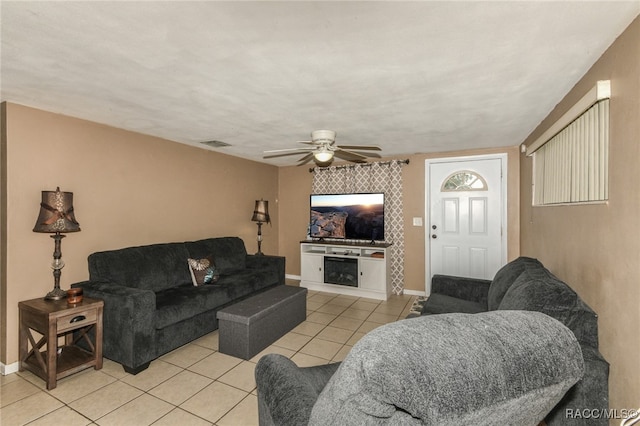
525,284
503,367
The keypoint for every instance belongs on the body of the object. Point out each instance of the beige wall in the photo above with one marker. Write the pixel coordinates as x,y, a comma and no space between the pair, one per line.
596,248
295,187
129,189
293,202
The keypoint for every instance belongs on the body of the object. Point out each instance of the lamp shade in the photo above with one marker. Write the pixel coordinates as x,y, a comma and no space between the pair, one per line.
56,213
261,212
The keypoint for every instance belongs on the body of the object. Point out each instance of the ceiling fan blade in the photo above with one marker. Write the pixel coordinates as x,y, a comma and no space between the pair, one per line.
271,151
361,147
283,154
349,156
304,160
366,154
347,153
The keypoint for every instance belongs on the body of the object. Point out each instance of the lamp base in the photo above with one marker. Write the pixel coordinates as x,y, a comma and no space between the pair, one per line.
56,294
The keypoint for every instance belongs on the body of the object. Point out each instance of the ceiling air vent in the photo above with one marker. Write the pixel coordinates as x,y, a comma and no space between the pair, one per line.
215,144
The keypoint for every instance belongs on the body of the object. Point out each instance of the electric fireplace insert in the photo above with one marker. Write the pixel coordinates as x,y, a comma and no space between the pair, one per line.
341,270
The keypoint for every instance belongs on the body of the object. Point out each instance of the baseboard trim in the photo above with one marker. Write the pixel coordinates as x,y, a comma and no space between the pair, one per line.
293,277
9,369
414,292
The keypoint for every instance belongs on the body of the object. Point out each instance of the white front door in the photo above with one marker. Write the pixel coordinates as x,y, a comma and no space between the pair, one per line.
466,210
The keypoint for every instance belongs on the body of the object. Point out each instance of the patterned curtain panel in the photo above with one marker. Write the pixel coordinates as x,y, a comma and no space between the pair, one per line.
372,177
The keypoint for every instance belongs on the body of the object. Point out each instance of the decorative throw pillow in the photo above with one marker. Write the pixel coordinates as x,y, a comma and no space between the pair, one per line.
203,271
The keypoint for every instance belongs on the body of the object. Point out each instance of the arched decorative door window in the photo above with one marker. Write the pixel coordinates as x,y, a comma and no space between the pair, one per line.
464,180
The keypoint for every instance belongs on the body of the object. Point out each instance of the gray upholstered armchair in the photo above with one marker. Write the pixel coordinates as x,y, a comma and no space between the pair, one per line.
503,367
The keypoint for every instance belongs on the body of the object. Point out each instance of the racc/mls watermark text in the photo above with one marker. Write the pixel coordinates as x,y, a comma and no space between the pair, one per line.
628,417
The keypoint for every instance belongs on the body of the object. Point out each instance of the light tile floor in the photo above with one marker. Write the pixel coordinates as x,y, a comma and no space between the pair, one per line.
194,384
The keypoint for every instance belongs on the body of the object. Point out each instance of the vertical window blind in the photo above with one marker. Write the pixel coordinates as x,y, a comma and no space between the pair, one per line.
572,166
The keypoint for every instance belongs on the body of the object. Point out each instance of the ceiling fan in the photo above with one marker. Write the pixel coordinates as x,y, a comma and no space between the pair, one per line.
322,149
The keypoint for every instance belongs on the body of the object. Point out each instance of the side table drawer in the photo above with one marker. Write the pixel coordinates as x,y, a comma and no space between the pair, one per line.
77,320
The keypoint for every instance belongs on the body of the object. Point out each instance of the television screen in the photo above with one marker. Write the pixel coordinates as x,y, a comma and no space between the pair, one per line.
349,216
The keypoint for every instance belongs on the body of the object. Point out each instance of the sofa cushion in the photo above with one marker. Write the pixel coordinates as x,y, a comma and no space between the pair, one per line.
443,304
537,289
229,252
249,281
453,369
505,277
154,267
185,301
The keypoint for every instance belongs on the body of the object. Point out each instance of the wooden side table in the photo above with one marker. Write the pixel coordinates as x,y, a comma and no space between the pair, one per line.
54,318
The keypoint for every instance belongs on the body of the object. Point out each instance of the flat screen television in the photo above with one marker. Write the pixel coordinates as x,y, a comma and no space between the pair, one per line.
348,216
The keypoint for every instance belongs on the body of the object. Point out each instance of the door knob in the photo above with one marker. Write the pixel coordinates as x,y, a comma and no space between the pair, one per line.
434,227
434,236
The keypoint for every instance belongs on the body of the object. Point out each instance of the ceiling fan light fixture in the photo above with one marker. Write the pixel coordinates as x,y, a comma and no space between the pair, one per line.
323,155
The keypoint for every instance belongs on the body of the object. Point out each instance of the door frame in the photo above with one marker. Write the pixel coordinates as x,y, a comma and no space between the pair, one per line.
427,206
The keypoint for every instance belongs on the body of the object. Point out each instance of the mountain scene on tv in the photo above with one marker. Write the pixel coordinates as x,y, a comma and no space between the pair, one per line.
357,222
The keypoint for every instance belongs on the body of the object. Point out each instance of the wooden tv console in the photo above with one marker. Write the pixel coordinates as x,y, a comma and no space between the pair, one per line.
356,269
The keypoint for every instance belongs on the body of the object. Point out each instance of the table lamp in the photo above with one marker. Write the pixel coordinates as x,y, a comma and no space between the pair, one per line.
261,215
56,217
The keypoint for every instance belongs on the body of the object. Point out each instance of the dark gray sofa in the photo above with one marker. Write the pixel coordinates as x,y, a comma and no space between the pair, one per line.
525,284
493,368
150,303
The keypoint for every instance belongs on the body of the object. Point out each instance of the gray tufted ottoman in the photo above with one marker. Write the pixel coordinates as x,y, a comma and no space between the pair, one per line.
251,325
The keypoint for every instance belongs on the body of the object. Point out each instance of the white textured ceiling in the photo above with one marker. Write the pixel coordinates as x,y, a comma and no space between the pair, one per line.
411,77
